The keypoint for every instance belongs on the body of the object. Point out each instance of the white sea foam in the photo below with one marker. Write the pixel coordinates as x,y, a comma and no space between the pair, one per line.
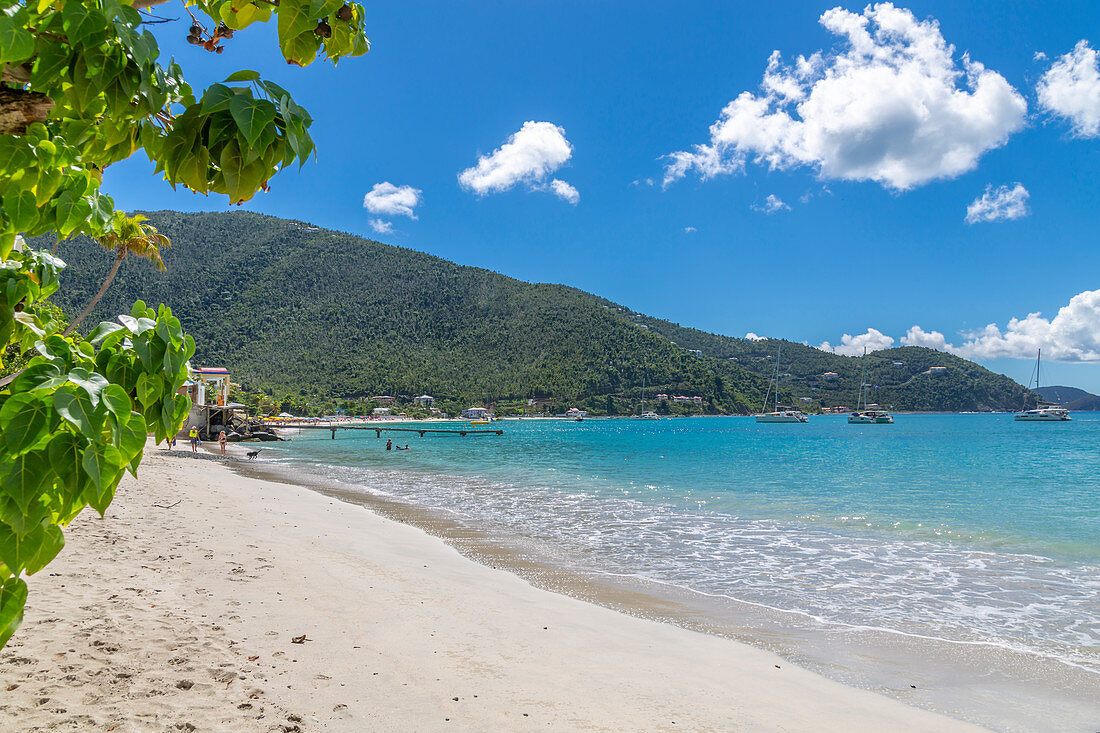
918,588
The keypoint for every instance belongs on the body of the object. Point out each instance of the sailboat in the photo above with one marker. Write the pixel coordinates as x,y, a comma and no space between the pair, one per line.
778,415
868,414
1044,411
644,414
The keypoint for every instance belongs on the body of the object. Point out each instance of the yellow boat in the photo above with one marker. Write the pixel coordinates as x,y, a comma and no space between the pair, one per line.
480,422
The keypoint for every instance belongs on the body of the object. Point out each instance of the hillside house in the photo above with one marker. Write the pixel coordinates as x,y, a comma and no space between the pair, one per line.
424,400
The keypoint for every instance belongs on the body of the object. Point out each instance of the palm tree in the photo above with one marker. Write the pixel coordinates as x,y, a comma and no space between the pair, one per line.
128,235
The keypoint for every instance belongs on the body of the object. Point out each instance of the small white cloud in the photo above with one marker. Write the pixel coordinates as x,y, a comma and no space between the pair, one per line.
386,199
750,336
565,191
998,204
1070,88
689,230
917,336
1039,56
772,204
873,340
892,105
381,226
529,157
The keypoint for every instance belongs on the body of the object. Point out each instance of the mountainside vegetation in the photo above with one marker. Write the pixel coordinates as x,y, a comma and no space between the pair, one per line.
316,318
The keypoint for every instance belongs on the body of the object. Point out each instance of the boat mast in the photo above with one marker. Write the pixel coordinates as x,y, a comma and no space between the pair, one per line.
1038,397
862,379
778,356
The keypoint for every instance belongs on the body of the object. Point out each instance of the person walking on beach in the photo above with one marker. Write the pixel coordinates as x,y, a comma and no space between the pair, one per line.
221,441
389,445
194,436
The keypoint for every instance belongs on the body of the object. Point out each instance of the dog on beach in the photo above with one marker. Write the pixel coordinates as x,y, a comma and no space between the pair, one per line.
253,453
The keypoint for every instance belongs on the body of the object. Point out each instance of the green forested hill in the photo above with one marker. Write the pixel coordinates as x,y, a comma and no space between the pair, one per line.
291,308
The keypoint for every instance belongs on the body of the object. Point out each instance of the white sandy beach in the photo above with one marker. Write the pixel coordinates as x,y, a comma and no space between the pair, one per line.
178,611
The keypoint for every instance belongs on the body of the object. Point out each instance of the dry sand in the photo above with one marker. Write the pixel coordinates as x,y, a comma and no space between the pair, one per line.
179,611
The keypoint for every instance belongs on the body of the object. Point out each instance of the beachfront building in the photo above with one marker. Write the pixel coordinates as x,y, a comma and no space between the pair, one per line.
575,412
475,413
381,411
424,400
207,386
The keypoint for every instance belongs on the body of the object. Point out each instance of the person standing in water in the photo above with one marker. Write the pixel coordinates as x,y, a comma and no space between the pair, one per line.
389,445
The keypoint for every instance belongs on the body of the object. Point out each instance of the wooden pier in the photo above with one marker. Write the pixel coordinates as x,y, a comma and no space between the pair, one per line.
378,431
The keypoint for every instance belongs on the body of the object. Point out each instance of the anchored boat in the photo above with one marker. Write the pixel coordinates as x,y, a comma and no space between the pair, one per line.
868,414
1044,411
778,415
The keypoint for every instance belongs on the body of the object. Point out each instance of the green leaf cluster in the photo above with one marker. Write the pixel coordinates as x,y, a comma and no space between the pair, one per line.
84,87
74,419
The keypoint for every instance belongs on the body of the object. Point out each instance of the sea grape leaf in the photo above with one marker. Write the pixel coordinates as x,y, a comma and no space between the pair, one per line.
13,597
51,542
76,408
24,418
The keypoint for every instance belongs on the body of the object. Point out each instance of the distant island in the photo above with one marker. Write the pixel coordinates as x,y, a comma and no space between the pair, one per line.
1071,398
318,320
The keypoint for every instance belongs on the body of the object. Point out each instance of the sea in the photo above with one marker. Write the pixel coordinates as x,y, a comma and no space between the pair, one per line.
951,561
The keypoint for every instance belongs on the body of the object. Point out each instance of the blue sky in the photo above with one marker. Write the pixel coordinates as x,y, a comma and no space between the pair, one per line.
860,242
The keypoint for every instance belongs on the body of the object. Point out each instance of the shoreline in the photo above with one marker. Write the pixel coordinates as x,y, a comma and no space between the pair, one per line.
964,679
399,625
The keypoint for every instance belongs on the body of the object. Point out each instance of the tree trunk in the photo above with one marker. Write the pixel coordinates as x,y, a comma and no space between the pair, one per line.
20,108
102,289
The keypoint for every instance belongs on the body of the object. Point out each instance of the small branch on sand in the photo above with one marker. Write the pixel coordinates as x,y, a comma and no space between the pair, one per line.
168,506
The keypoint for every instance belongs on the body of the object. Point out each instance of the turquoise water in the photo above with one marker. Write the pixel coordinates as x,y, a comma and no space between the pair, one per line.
965,528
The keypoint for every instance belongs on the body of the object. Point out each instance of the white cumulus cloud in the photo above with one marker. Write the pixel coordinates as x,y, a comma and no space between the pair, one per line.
1070,88
386,199
750,336
381,226
565,191
891,106
1073,334
771,205
998,204
689,230
873,340
529,157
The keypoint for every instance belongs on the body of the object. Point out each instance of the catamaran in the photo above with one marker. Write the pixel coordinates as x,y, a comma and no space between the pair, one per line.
778,415
1044,411
869,414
